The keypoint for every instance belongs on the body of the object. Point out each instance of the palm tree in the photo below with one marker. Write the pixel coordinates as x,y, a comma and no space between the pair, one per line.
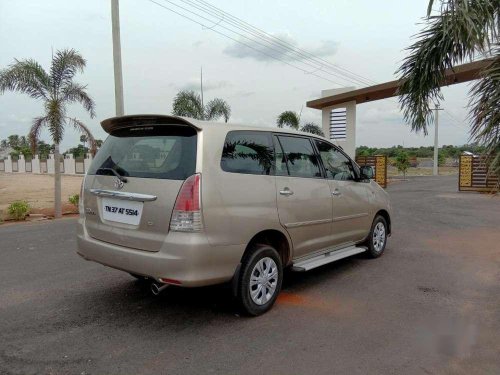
83,139
292,120
288,118
189,104
311,127
461,31
56,89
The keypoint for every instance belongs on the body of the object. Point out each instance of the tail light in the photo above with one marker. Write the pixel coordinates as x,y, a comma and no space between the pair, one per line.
186,216
81,206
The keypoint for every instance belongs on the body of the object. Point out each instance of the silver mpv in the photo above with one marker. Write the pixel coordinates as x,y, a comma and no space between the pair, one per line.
192,203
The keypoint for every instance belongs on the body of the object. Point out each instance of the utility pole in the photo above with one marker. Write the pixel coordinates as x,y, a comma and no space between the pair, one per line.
435,171
117,58
201,86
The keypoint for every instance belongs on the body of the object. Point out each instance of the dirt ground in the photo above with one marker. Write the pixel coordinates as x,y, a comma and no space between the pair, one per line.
37,190
422,171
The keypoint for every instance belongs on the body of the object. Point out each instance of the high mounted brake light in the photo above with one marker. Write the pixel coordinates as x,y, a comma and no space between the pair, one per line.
186,216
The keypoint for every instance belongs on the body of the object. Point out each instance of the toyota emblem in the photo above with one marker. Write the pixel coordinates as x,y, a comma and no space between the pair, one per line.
118,183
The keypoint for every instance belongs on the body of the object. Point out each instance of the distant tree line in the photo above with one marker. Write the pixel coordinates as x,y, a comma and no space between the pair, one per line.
447,151
20,145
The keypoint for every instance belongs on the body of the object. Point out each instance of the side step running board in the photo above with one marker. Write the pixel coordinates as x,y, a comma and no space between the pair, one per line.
325,258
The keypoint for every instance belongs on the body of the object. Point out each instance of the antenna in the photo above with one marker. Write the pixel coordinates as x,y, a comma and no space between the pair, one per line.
201,85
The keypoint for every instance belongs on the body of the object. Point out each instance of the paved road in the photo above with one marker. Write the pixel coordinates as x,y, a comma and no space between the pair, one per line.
430,305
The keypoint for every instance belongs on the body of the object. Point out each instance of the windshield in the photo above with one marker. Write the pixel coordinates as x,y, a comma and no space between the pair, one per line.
166,152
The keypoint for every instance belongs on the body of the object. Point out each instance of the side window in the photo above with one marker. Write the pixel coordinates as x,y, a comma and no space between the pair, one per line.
301,159
249,152
337,165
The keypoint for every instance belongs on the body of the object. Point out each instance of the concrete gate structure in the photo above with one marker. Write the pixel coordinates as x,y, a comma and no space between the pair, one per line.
338,106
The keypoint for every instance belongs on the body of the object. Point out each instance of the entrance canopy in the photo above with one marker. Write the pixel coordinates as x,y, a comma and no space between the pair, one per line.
459,74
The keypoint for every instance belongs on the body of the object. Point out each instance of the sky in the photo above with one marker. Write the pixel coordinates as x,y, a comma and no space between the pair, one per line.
163,52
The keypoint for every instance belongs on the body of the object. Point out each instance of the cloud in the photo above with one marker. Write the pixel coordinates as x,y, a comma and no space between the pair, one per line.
260,50
198,43
194,85
244,94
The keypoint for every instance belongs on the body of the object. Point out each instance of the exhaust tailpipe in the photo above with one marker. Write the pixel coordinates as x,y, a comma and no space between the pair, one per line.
157,288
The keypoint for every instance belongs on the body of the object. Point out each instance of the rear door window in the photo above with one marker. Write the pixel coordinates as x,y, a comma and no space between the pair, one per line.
301,159
161,151
248,152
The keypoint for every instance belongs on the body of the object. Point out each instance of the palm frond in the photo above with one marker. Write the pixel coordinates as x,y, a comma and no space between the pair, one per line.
485,111
74,92
288,118
82,128
188,104
217,108
35,130
462,29
27,77
65,64
55,114
311,127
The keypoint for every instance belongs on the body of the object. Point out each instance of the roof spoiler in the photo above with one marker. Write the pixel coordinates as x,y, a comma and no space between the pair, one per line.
111,124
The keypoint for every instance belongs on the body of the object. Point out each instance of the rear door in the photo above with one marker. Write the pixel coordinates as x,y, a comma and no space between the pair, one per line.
303,195
351,219
133,182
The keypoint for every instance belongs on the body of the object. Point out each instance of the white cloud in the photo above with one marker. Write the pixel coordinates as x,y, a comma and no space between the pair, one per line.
208,85
264,50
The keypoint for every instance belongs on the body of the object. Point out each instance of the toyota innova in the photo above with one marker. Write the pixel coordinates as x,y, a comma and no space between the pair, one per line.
192,203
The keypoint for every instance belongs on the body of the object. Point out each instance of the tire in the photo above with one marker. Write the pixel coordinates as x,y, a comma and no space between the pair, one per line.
377,239
255,295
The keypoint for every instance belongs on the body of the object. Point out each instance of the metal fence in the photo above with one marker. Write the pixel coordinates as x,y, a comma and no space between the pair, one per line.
474,175
379,164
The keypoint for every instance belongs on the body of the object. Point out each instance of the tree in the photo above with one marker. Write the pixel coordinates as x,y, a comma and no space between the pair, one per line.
402,162
291,120
56,89
189,104
312,128
83,139
459,32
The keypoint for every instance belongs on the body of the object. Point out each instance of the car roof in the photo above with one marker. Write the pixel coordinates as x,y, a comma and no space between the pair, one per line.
114,123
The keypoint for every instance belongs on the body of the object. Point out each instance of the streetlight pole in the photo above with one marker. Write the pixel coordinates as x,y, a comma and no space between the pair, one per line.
435,170
117,58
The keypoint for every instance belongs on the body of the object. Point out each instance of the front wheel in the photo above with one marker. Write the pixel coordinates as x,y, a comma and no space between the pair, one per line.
260,280
378,237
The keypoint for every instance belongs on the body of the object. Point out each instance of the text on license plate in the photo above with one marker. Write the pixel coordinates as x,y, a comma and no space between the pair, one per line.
128,212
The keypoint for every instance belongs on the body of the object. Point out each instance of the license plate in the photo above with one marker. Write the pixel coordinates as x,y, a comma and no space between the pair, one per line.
122,211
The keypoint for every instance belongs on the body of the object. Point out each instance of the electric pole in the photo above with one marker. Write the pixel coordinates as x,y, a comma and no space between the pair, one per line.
117,58
435,171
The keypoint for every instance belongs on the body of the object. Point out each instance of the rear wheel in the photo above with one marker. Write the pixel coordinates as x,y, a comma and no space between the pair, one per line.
378,237
260,280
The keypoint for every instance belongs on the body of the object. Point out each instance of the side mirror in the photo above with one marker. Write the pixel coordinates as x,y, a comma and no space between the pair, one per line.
366,172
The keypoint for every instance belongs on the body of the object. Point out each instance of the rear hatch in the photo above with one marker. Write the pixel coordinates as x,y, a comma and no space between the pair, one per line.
132,185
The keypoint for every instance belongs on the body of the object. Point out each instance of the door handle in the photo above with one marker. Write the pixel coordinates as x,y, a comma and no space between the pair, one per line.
286,191
336,193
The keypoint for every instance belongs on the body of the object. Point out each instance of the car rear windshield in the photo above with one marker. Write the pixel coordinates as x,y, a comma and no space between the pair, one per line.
159,151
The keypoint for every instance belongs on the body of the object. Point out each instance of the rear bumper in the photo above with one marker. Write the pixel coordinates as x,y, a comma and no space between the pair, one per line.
185,257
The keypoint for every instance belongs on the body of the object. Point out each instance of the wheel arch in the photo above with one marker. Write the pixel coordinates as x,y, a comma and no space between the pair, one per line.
387,217
274,238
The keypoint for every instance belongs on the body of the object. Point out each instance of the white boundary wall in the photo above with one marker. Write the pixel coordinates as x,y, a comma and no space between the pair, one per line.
69,163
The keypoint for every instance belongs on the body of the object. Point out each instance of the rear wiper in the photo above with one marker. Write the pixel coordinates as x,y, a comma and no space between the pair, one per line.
120,177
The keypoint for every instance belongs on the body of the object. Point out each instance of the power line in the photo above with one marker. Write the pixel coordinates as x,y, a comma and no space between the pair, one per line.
272,46
245,44
225,16
251,40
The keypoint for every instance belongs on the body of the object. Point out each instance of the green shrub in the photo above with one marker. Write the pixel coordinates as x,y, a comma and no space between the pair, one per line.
74,199
19,210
